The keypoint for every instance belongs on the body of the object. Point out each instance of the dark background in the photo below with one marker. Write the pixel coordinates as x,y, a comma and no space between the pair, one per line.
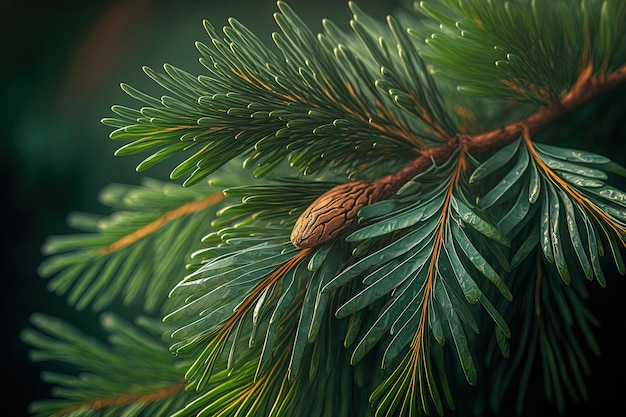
62,63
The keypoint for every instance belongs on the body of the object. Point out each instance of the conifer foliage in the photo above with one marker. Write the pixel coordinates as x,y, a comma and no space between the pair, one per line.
369,222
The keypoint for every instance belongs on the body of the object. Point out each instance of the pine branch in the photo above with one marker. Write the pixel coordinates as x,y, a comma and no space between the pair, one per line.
272,391
421,275
585,89
98,266
264,106
110,380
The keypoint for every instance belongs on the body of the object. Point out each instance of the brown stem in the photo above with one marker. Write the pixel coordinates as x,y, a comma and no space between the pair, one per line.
336,210
155,225
102,403
584,90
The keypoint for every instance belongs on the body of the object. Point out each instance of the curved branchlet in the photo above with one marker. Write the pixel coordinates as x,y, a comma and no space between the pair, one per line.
98,266
109,382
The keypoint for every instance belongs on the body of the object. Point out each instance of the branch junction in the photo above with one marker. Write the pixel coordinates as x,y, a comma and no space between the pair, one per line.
336,210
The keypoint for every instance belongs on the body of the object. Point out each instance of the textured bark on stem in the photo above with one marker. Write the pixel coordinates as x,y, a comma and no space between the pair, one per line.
336,210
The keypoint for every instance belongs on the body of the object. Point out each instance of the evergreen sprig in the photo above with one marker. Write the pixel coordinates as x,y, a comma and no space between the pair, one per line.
565,198
266,105
133,254
103,378
432,245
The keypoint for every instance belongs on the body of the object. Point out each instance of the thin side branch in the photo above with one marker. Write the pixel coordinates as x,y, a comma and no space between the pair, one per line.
155,225
122,400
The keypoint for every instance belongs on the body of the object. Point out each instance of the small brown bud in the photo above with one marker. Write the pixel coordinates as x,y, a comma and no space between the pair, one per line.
332,213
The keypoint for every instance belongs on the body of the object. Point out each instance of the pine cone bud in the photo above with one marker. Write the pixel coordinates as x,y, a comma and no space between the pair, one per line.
332,213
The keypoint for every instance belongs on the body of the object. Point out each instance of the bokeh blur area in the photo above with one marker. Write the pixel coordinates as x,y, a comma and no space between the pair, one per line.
61,63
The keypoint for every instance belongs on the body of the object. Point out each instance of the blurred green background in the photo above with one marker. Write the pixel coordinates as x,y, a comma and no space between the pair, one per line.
62,63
